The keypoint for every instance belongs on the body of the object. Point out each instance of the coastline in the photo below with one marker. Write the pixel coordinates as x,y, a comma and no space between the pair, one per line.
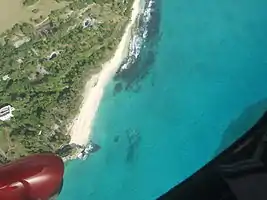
80,129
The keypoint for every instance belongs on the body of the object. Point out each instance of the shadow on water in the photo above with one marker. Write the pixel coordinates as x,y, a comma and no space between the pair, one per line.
133,140
130,78
239,126
116,139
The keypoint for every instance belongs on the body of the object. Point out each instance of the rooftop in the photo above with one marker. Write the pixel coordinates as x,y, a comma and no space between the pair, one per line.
6,113
6,77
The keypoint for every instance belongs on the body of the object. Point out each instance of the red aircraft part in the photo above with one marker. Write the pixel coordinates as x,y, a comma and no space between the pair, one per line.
35,177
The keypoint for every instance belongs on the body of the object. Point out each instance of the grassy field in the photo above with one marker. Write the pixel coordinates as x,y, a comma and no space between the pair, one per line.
8,148
12,12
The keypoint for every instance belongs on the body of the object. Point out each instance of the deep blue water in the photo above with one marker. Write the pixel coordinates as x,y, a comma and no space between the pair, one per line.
199,83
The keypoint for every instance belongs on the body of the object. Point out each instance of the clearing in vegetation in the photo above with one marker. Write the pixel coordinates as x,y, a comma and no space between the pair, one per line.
13,11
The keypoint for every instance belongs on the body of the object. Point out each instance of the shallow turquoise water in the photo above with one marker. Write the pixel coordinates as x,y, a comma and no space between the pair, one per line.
206,86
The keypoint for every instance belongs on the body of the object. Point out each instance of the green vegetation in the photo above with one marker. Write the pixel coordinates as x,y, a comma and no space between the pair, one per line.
29,2
48,66
35,10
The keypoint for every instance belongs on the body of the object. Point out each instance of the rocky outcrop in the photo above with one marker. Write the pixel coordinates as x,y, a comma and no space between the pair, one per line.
70,151
74,151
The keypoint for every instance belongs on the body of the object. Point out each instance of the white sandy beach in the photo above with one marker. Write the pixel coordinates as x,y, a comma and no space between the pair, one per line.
82,124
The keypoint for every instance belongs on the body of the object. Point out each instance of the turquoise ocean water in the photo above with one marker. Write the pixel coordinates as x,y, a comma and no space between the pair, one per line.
198,82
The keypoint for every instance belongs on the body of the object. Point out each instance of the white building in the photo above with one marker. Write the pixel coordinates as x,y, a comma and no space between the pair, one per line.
5,78
88,22
6,113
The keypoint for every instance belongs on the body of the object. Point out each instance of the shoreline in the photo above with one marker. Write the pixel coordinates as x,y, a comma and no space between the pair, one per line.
80,128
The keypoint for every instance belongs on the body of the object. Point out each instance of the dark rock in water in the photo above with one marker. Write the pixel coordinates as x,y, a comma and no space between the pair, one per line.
87,150
134,139
118,88
133,136
116,138
149,60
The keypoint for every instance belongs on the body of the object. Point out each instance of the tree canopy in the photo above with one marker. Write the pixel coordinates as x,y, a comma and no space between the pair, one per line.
48,66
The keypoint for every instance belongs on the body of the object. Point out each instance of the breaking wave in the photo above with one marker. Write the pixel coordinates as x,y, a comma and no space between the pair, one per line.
139,37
